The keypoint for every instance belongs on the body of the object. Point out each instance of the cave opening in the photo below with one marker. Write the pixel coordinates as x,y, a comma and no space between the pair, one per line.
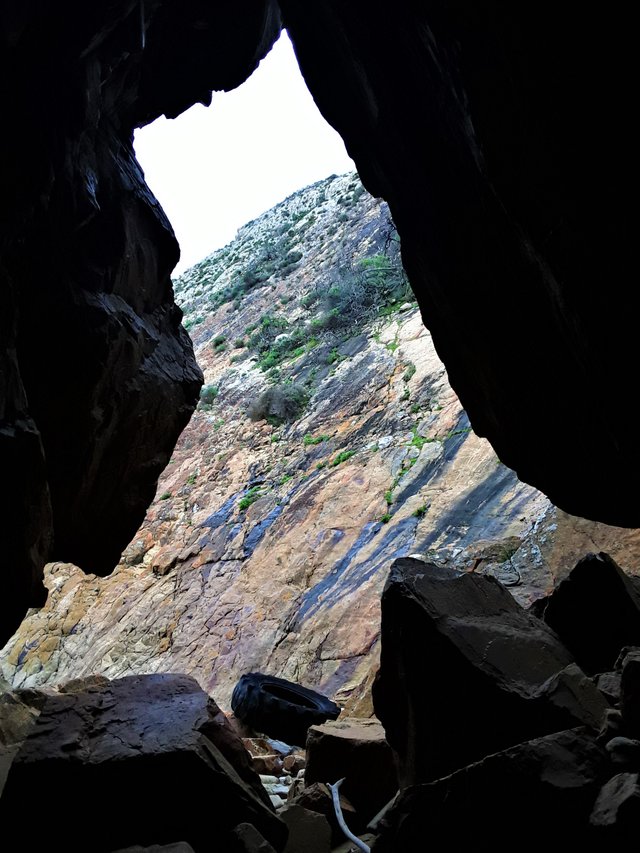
215,168
506,167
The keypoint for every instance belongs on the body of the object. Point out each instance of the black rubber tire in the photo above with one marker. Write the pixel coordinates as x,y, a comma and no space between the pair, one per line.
279,708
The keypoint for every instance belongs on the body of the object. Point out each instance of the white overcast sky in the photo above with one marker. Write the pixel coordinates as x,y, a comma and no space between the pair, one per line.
213,169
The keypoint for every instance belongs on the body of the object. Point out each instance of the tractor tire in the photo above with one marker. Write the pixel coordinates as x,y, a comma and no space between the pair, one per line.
279,708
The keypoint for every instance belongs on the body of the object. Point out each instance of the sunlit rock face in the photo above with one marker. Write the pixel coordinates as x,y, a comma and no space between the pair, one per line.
97,374
269,541
503,151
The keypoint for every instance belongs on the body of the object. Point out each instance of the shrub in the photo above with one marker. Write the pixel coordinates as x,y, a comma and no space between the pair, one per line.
208,394
409,372
309,299
318,439
164,496
239,343
421,511
287,346
250,497
342,457
280,403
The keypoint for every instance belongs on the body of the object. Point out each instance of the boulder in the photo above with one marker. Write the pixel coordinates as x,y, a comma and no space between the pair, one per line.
595,611
609,684
630,691
466,672
542,790
357,751
245,838
159,744
309,831
18,715
317,798
616,812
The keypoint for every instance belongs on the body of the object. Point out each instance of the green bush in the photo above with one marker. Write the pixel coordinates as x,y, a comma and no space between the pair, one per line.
250,497
318,439
409,372
289,346
342,457
208,394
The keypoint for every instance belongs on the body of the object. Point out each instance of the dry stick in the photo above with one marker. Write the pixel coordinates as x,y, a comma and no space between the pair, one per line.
343,826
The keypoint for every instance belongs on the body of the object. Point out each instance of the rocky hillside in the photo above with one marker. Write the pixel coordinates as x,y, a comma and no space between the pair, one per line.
327,443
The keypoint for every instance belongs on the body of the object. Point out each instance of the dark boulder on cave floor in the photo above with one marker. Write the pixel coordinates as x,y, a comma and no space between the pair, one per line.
465,672
153,753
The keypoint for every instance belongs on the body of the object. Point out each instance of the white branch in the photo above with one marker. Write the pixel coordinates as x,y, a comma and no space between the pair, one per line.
343,826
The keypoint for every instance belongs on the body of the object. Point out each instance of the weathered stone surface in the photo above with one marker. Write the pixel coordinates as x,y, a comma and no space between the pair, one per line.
548,785
272,764
308,830
133,736
454,641
616,812
294,763
357,751
624,752
245,838
18,715
595,612
609,684
630,691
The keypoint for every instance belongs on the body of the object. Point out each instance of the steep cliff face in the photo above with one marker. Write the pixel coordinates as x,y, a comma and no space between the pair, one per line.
98,376
270,539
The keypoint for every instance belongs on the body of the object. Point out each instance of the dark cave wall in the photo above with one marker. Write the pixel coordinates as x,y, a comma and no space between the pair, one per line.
498,135
98,377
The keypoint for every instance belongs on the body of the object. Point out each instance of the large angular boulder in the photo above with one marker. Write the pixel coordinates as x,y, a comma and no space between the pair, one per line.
466,672
595,611
539,792
357,751
616,813
153,751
